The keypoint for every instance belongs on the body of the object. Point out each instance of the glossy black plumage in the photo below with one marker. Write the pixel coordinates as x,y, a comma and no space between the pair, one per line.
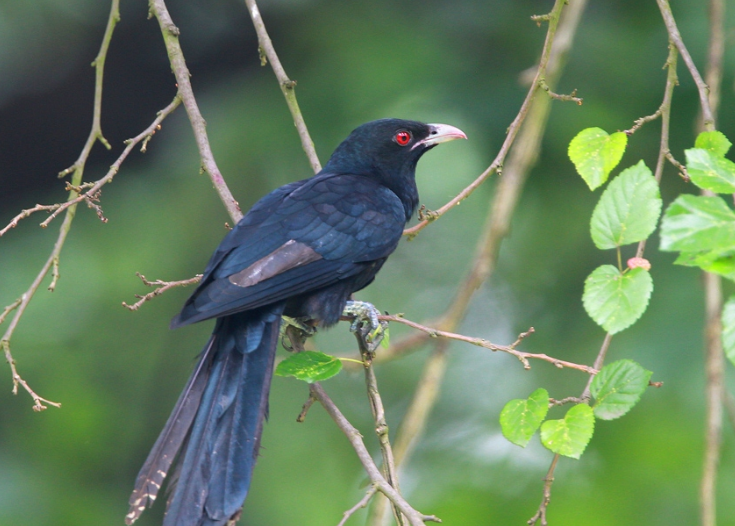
301,250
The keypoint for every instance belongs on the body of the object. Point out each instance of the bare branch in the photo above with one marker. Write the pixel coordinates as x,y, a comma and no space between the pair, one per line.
78,171
714,353
17,380
548,481
361,504
163,286
10,308
523,357
381,425
675,37
181,72
572,97
92,194
288,86
27,212
553,19
353,435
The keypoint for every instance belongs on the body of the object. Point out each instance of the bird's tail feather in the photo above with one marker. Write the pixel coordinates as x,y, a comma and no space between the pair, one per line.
217,424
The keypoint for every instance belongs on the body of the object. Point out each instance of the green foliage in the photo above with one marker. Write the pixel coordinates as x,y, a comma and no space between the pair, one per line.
728,329
710,172
698,224
702,228
714,142
385,342
617,388
707,165
570,435
628,209
309,366
520,418
595,154
615,300
722,263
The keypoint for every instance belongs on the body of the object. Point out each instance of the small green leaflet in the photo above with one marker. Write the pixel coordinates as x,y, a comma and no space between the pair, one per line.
614,300
595,154
697,223
570,435
309,366
617,388
722,263
385,342
710,172
520,418
728,329
628,209
713,141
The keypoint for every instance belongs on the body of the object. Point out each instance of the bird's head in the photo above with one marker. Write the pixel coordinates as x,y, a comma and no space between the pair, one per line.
388,150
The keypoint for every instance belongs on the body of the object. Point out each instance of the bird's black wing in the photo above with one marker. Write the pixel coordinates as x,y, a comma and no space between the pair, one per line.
300,238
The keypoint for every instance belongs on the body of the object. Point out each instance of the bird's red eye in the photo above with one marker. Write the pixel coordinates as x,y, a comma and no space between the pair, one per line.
402,138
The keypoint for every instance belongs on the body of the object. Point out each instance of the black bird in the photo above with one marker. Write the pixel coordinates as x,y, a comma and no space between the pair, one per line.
301,251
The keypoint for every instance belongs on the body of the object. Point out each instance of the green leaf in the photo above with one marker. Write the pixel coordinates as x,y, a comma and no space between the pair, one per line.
722,263
569,436
728,329
385,342
617,388
309,366
614,300
695,223
710,172
595,154
520,418
628,209
714,141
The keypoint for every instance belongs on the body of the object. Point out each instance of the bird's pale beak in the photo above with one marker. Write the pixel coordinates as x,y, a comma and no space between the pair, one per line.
439,133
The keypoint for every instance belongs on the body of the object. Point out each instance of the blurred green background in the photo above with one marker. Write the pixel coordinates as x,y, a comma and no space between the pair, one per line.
118,373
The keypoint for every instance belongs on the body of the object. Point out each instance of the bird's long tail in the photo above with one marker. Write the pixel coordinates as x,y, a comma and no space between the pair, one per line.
216,425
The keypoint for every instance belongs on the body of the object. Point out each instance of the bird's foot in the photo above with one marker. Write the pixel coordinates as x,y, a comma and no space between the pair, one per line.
366,323
300,326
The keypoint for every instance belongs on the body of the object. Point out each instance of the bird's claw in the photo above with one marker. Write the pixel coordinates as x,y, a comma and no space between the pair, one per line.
303,328
366,323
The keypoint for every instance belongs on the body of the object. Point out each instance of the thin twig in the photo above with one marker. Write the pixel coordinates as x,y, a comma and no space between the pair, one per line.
27,212
199,126
77,168
288,86
355,438
572,97
305,409
163,286
10,308
92,193
553,19
643,120
714,388
568,400
664,111
546,498
415,420
17,380
381,424
714,353
523,357
361,504
353,435
668,17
